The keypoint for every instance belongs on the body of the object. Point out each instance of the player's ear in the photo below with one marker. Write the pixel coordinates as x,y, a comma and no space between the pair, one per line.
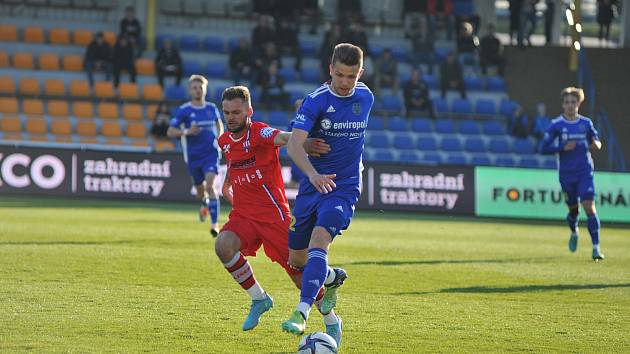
361,71
330,69
250,111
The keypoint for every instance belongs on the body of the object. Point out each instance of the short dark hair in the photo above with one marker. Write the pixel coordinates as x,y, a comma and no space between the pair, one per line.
347,54
234,92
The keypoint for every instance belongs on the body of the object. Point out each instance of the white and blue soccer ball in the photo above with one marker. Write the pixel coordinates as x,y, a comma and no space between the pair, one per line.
317,343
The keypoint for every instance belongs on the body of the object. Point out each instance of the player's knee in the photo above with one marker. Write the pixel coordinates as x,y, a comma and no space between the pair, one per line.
225,246
589,207
297,260
321,238
574,211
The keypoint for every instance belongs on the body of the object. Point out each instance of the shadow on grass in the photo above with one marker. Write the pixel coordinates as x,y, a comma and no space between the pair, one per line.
447,261
62,243
518,289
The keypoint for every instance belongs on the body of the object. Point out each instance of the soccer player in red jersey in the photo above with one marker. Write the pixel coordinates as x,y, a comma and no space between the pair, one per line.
255,188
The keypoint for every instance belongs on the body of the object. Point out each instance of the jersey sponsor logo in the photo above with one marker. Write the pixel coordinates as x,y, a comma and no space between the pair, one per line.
267,132
300,118
350,125
314,282
326,124
331,109
356,108
226,148
239,165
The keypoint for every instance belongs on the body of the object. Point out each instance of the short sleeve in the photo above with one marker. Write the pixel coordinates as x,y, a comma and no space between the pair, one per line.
306,116
263,135
591,134
179,118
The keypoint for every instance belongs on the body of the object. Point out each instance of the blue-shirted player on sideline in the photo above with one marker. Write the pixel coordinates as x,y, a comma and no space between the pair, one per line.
571,136
337,112
198,124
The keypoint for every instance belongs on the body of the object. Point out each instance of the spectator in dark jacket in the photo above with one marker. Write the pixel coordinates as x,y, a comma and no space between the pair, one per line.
287,41
441,16
356,35
386,73
520,123
467,44
168,63
123,60
491,52
273,94
131,28
451,76
263,60
413,11
605,15
241,64
161,121
98,56
263,33
422,44
416,95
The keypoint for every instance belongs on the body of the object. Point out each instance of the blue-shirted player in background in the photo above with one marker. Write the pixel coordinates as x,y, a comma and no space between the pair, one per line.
198,124
337,112
571,136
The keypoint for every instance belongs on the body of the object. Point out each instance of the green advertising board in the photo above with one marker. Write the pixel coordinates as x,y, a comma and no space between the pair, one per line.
535,193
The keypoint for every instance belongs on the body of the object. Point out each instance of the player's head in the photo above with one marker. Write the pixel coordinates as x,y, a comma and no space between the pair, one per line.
571,98
346,67
237,108
197,86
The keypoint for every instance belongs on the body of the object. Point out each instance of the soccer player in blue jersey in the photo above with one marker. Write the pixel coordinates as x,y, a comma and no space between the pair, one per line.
571,136
198,124
338,113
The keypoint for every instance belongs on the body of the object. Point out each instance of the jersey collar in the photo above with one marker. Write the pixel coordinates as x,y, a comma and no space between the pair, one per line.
337,95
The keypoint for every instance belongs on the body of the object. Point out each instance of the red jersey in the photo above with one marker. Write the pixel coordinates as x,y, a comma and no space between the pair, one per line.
255,173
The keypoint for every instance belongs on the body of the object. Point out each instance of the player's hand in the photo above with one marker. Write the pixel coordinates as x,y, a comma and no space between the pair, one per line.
316,147
194,129
569,146
323,183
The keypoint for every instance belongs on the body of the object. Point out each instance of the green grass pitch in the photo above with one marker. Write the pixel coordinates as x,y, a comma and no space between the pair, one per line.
128,277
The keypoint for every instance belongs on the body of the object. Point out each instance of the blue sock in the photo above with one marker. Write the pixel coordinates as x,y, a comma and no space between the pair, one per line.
213,207
313,277
572,221
593,228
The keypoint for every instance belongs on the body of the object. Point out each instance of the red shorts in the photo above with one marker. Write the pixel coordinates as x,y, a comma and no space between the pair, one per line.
273,236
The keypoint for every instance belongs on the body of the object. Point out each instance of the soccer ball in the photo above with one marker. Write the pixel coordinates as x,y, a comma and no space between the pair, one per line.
317,343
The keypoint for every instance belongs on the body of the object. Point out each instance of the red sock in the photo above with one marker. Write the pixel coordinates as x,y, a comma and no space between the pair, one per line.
241,271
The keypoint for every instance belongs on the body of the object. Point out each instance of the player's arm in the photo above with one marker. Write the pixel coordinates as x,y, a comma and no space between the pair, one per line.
175,132
549,146
295,148
313,146
227,191
593,138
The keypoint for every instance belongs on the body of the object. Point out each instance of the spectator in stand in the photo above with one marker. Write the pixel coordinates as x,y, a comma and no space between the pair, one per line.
131,28
263,60
263,33
273,94
542,121
467,44
605,15
168,63
520,123
491,52
441,16
451,76
287,40
350,11
549,17
123,60
241,64
161,121
416,94
386,73
422,44
527,22
310,11
331,38
356,35
413,12
515,18
464,11
98,56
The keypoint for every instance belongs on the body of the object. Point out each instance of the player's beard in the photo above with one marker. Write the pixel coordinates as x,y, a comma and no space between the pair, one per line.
238,129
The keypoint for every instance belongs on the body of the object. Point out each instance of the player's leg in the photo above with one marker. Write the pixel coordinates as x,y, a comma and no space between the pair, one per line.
587,196
569,188
212,201
197,175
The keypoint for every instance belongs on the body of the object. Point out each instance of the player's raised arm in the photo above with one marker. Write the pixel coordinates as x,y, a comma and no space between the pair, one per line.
295,148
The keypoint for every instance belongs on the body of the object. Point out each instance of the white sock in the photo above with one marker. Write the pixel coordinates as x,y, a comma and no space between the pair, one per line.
596,248
304,308
331,276
256,292
331,318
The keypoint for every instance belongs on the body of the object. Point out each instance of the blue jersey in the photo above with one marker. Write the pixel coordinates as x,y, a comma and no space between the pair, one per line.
204,145
341,121
560,132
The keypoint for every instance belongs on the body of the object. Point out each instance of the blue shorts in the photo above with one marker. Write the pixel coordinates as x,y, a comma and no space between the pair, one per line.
332,211
578,188
199,169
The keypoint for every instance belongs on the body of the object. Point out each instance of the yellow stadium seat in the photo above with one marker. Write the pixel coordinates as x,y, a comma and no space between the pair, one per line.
67,139
83,109
164,145
59,36
111,129
30,86
72,62
128,90
89,140
34,35
61,127
58,108
86,128
8,105
82,37
140,142
54,87
104,89
33,106
38,137
108,110
7,85
49,61
152,92
23,61
8,33
145,66
4,59
136,130
36,126
110,37
151,109
10,124
79,88
132,111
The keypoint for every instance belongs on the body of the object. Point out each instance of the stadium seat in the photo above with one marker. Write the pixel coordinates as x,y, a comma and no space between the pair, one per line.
108,110
8,105
468,127
176,93
191,67
35,126
4,60
403,141
462,107
152,92
524,147
421,125
86,128
383,155
33,35
288,74
7,85
104,89
54,87
451,144
215,69
397,124
89,140
529,162
440,106
213,44
142,142
550,164
63,139
409,156
310,75
164,145
83,109
136,130
278,119
456,159
308,48
507,108
10,124
82,37
59,36
474,145
218,92
480,160
29,86
111,129
445,126
145,66
8,33
150,110
79,88
499,146
49,61
33,107
430,81
379,140
72,62
495,83
109,36
493,128
61,127
376,123
426,144
23,60
57,108
132,111
115,141
485,107
128,90
473,83
189,43
504,161
433,158
391,103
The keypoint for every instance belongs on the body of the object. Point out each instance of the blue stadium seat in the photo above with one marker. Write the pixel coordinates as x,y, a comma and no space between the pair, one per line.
456,159
433,157
499,145
400,52
469,127
480,159
440,106
507,108
233,43
160,38
462,106
216,69
485,106
495,83
409,156
397,124
445,126
451,144
213,44
383,155
192,67
421,125
308,48
427,144
403,141
504,161
473,83
391,103
376,49
442,52
430,81
175,93
376,123
474,145
524,146
550,164
279,118
259,116
310,75
288,74
530,162
215,96
379,140
493,128
189,43
295,95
